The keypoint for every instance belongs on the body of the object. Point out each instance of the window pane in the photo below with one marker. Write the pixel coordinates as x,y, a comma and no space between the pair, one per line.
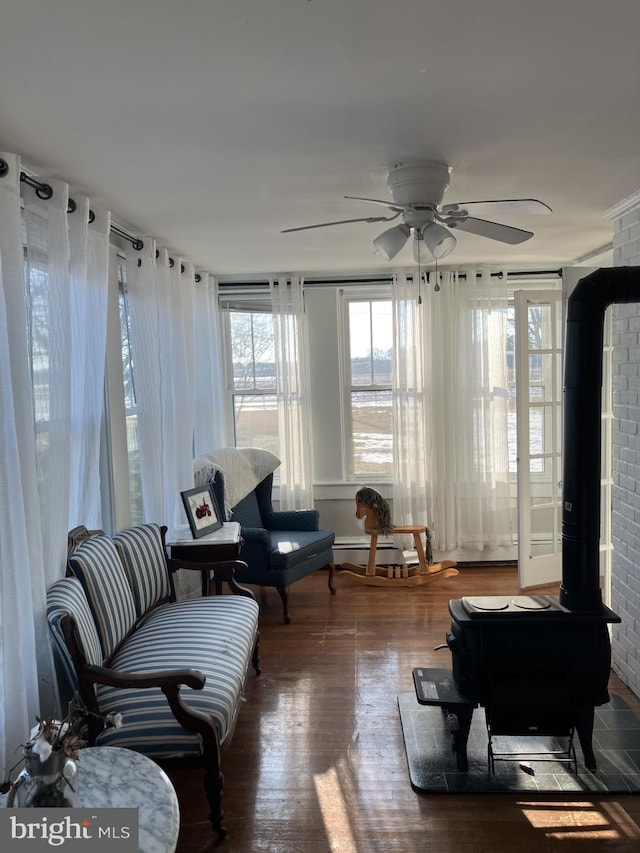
38,311
135,480
536,439
36,272
370,371
253,358
372,432
370,342
382,340
544,538
540,326
131,411
256,421
127,360
360,343
252,351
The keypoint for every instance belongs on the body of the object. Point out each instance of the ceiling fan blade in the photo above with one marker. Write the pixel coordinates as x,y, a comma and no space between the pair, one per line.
493,230
385,202
503,206
340,222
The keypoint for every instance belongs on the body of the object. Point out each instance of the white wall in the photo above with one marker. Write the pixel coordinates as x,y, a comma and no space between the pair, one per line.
625,599
321,305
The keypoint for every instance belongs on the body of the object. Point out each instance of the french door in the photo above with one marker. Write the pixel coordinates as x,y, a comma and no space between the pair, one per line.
538,328
539,320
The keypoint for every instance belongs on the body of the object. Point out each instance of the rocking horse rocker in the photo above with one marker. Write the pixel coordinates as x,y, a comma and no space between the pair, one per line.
371,506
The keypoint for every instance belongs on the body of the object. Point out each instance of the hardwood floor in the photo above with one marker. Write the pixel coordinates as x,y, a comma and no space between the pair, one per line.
317,762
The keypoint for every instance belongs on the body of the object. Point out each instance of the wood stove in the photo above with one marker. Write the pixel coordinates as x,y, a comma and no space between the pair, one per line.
534,661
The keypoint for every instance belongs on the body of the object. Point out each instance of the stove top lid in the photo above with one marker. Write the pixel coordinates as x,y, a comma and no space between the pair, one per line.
512,604
485,602
531,602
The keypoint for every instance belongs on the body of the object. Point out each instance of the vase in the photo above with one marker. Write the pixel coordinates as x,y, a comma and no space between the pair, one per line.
46,784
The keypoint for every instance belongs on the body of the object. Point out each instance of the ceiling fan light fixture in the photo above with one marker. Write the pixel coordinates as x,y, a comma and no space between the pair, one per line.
389,243
418,251
438,240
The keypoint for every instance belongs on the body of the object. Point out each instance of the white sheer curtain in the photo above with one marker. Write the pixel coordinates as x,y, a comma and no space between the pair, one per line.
145,345
178,392
209,428
462,336
161,299
292,373
49,315
468,406
53,288
410,464
22,570
89,264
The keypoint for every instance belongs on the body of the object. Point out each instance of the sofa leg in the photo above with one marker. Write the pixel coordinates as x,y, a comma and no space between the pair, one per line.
255,660
213,786
283,592
332,578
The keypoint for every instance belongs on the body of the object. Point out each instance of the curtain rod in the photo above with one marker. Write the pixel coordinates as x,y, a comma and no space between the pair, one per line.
387,279
499,275
45,191
136,242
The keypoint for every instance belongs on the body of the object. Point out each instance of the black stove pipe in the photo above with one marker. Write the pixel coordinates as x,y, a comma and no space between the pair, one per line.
586,306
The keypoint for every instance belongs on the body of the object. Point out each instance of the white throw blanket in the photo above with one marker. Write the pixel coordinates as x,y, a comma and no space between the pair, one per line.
242,468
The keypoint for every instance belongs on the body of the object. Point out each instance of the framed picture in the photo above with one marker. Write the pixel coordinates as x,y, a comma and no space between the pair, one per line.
203,513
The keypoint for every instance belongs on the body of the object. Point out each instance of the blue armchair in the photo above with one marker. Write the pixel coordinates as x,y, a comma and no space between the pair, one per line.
279,547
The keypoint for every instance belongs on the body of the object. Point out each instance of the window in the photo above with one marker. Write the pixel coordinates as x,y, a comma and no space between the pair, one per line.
252,380
131,410
368,395
37,296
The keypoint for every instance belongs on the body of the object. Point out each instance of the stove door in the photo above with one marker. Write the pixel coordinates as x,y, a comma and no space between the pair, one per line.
538,340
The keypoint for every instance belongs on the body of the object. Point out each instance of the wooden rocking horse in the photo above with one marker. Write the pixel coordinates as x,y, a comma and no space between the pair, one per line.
375,510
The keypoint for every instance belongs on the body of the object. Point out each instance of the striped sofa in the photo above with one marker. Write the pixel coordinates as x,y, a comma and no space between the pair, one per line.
175,670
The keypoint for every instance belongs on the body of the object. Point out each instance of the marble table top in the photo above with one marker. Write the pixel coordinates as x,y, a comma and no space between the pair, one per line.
228,534
111,777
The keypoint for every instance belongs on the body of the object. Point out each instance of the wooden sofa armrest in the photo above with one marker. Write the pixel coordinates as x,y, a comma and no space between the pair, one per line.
223,572
169,681
160,678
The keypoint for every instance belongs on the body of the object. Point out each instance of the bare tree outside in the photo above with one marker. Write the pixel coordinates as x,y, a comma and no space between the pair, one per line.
370,345
254,380
252,351
131,406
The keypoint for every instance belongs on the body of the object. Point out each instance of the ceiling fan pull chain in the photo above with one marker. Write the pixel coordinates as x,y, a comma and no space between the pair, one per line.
419,277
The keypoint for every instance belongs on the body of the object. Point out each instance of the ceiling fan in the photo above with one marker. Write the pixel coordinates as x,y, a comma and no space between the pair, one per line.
417,190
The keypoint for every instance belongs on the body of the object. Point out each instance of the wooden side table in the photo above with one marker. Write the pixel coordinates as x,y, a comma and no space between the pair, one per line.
217,547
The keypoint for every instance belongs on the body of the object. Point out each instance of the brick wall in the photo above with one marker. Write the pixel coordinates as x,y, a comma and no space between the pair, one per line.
626,454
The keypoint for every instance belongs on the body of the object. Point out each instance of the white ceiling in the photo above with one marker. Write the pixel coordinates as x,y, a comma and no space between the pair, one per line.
214,124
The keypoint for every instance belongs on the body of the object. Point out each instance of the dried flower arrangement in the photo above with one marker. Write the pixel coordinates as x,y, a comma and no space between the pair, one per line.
50,751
